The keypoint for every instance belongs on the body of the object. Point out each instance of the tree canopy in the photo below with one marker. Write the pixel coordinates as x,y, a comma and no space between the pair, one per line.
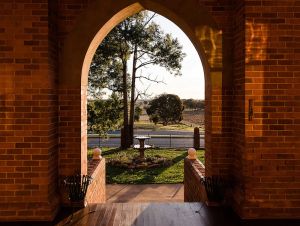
140,42
166,108
104,115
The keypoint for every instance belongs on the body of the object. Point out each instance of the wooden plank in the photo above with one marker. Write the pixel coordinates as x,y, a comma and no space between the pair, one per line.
139,220
93,216
146,214
138,211
113,215
125,209
167,214
117,221
106,216
100,213
128,210
84,219
199,211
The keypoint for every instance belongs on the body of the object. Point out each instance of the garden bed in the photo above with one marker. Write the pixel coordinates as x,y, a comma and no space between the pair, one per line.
135,162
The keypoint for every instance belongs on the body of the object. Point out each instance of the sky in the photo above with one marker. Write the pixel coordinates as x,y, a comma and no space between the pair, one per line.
191,83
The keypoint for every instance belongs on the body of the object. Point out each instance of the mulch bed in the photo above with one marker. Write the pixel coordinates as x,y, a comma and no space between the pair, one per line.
138,163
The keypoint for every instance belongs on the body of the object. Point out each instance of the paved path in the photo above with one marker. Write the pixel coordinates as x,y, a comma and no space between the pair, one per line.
120,193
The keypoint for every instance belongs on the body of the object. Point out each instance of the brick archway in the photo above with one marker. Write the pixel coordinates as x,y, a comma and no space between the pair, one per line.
250,51
200,28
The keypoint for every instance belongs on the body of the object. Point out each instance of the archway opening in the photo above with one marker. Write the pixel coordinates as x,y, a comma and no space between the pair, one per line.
103,32
189,87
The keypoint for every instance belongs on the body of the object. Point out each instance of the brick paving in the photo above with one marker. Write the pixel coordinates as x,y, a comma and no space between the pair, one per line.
120,193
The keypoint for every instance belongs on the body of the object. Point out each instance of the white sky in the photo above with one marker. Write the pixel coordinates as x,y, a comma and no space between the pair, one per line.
191,83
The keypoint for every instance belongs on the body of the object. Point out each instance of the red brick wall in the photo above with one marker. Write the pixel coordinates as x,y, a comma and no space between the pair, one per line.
272,144
28,115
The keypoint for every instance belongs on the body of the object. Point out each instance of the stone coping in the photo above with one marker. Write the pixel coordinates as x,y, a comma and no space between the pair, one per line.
198,166
92,166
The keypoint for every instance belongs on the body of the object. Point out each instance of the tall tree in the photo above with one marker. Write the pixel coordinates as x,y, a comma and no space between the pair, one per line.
142,42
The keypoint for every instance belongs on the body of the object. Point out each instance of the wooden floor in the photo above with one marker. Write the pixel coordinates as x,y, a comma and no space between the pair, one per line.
154,214
148,214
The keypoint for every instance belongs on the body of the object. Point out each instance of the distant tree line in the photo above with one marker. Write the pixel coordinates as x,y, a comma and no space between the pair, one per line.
105,115
193,104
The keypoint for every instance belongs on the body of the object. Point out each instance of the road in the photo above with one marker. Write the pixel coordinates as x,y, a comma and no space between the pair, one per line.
165,138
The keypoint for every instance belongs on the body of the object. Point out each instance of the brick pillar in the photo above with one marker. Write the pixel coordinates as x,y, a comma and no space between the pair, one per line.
29,120
69,131
218,111
238,109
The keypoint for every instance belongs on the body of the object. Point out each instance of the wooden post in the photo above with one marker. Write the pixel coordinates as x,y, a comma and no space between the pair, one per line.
196,138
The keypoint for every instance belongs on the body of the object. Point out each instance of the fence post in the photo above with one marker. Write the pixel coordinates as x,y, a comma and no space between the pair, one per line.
170,140
196,138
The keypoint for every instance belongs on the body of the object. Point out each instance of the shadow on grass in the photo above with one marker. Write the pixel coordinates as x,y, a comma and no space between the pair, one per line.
162,169
149,176
179,158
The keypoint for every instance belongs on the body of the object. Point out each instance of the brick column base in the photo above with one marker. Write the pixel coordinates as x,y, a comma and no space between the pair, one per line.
193,190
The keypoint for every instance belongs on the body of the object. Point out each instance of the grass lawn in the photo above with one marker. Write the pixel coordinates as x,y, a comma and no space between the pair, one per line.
161,175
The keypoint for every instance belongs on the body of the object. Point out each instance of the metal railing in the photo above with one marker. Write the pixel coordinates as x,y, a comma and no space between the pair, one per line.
156,140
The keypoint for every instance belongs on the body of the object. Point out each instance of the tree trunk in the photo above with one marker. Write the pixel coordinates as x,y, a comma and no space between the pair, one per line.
132,98
125,134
